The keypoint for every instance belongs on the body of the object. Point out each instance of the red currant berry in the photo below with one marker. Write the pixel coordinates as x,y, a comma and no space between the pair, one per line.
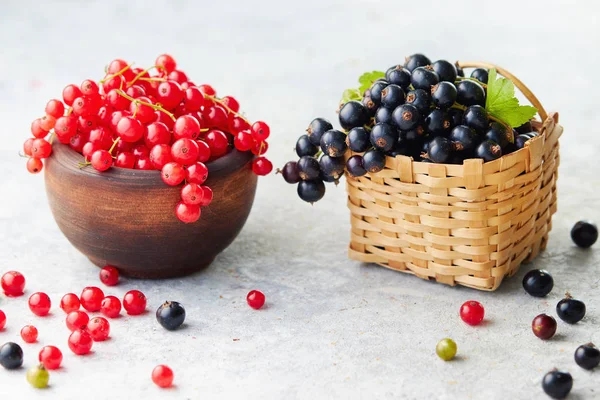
260,131
55,108
237,124
101,160
261,166
160,155
203,151
207,90
255,299
40,148
243,141
472,312
34,165
187,213
177,76
125,160
173,174
231,103
78,141
89,87
260,148
104,115
88,149
86,123
115,117
543,326
134,302
135,91
91,298
166,63
70,93
118,67
130,129
196,173
169,94
69,303
184,151
80,342
157,133
187,127
39,304
109,275
99,329
180,110
193,99
115,82
144,164
77,320
29,334
85,106
165,119
192,194
101,137
208,196
47,122
51,357
140,150
162,376
144,113
13,283
65,127
27,146
218,143
2,320
111,307
116,101
216,117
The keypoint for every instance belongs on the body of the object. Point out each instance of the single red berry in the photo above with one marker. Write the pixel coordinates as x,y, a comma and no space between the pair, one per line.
135,91
260,131
55,107
187,213
255,299
196,173
260,148
109,275
47,122
177,76
115,82
51,357
160,155
472,312
2,320
203,151
116,101
86,123
543,326
111,306
85,105
165,119
40,148
157,133
101,160
125,160
261,166
70,302
184,151
102,137
89,87
77,320
192,194
70,93
99,329
88,149
186,126
115,117
166,63
243,141
29,334
27,146
39,304
144,163
140,150
162,376
118,66
13,283
34,165
65,127
130,129
237,124
173,174
231,103
78,140
104,115
216,117
91,298
208,196
218,143
144,113
123,146
169,94
134,302
193,99
80,342
207,90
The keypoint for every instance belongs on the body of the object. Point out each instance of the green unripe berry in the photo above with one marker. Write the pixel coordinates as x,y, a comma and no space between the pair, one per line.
446,349
38,376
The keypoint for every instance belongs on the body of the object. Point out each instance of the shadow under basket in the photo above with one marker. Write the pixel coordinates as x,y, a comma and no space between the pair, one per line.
471,224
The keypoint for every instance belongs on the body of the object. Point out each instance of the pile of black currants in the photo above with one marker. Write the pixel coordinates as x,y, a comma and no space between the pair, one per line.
424,110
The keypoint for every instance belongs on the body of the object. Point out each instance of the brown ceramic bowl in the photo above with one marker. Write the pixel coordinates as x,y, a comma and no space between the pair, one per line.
126,217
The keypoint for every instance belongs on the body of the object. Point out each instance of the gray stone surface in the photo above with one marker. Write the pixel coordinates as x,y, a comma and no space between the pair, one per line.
333,328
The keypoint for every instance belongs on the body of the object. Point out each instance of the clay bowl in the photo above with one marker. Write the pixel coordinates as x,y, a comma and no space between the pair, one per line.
126,217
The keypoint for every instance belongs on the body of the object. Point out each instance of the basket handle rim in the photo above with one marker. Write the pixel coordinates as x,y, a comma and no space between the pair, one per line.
518,83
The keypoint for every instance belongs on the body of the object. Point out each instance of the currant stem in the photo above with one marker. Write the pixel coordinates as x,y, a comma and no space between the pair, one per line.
114,145
51,137
139,76
218,101
153,79
462,78
153,106
116,73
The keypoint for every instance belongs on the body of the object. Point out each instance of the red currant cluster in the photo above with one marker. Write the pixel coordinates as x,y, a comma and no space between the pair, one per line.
133,119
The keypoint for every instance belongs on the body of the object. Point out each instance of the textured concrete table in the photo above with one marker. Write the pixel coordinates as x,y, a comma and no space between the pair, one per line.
333,328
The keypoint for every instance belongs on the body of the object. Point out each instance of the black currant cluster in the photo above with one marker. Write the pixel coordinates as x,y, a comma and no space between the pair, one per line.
424,110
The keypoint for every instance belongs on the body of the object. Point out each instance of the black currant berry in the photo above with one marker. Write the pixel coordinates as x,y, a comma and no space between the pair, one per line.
384,115
290,172
584,234
353,114
332,167
438,123
459,70
406,117
415,61
443,94
520,141
456,116
311,191
538,282
384,137
500,134
358,140
398,75
570,310
373,160
369,105
525,128
408,144
11,355
304,147
308,168
587,356
488,150
476,117
470,93
317,128
481,74
392,96
445,70
333,143
465,139
375,91
557,384
170,315
424,78
420,99
355,166
439,150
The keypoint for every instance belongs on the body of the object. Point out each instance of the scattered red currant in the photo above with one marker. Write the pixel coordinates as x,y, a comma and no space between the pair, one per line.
109,275
34,165
99,329
51,357
13,283
29,334
260,131
162,376
77,320
91,298
543,326
39,304
187,213
2,320
255,299
70,302
111,307
101,160
80,342
134,302
261,166
472,312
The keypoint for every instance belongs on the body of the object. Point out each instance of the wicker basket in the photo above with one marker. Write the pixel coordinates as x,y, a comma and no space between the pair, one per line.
470,224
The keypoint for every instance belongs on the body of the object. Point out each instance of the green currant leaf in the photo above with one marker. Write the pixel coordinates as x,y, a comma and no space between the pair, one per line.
351,94
502,103
368,78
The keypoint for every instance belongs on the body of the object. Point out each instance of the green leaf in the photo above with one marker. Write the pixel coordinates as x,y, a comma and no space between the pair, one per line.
351,94
367,79
502,103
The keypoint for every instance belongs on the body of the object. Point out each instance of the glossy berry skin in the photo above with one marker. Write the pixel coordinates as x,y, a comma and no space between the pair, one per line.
260,131
355,166
38,377
290,172
406,117
98,328
439,150
392,96
162,376
384,115
488,150
172,174
34,165
500,134
170,315
109,275
465,139
70,302
358,139
446,349
557,384
196,173
383,136
332,167
445,70
184,151
587,356
421,99
369,105
304,147
29,334
443,94
584,234
111,307
333,143
570,310
438,123
308,168
130,129
456,116
2,320
398,75
311,191
476,118
373,160
543,326
353,114
472,312
424,78
481,74
415,61
101,160
470,93
316,129
39,304
11,355
134,302
376,91
13,283
538,282
262,166
77,320
255,299
51,357
80,342
91,298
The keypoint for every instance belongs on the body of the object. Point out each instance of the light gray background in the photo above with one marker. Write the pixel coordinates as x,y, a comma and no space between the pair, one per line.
333,328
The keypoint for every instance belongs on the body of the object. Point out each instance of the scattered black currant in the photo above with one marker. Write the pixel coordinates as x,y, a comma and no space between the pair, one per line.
406,117
304,147
290,172
465,140
308,168
470,93
445,70
439,150
481,74
317,128
584,234
358,140
311,191
415,61
170,315
392,96
500,134
353,114
438,123
332,167
384,115
538,282
424,78
476,117
557,384
383,137
375,91
587,356
421,99
443,94
488,150
11,355
333,143
355,166
373,160
570,310
398,75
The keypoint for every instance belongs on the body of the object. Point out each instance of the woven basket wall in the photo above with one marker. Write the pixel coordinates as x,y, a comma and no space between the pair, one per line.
470,224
